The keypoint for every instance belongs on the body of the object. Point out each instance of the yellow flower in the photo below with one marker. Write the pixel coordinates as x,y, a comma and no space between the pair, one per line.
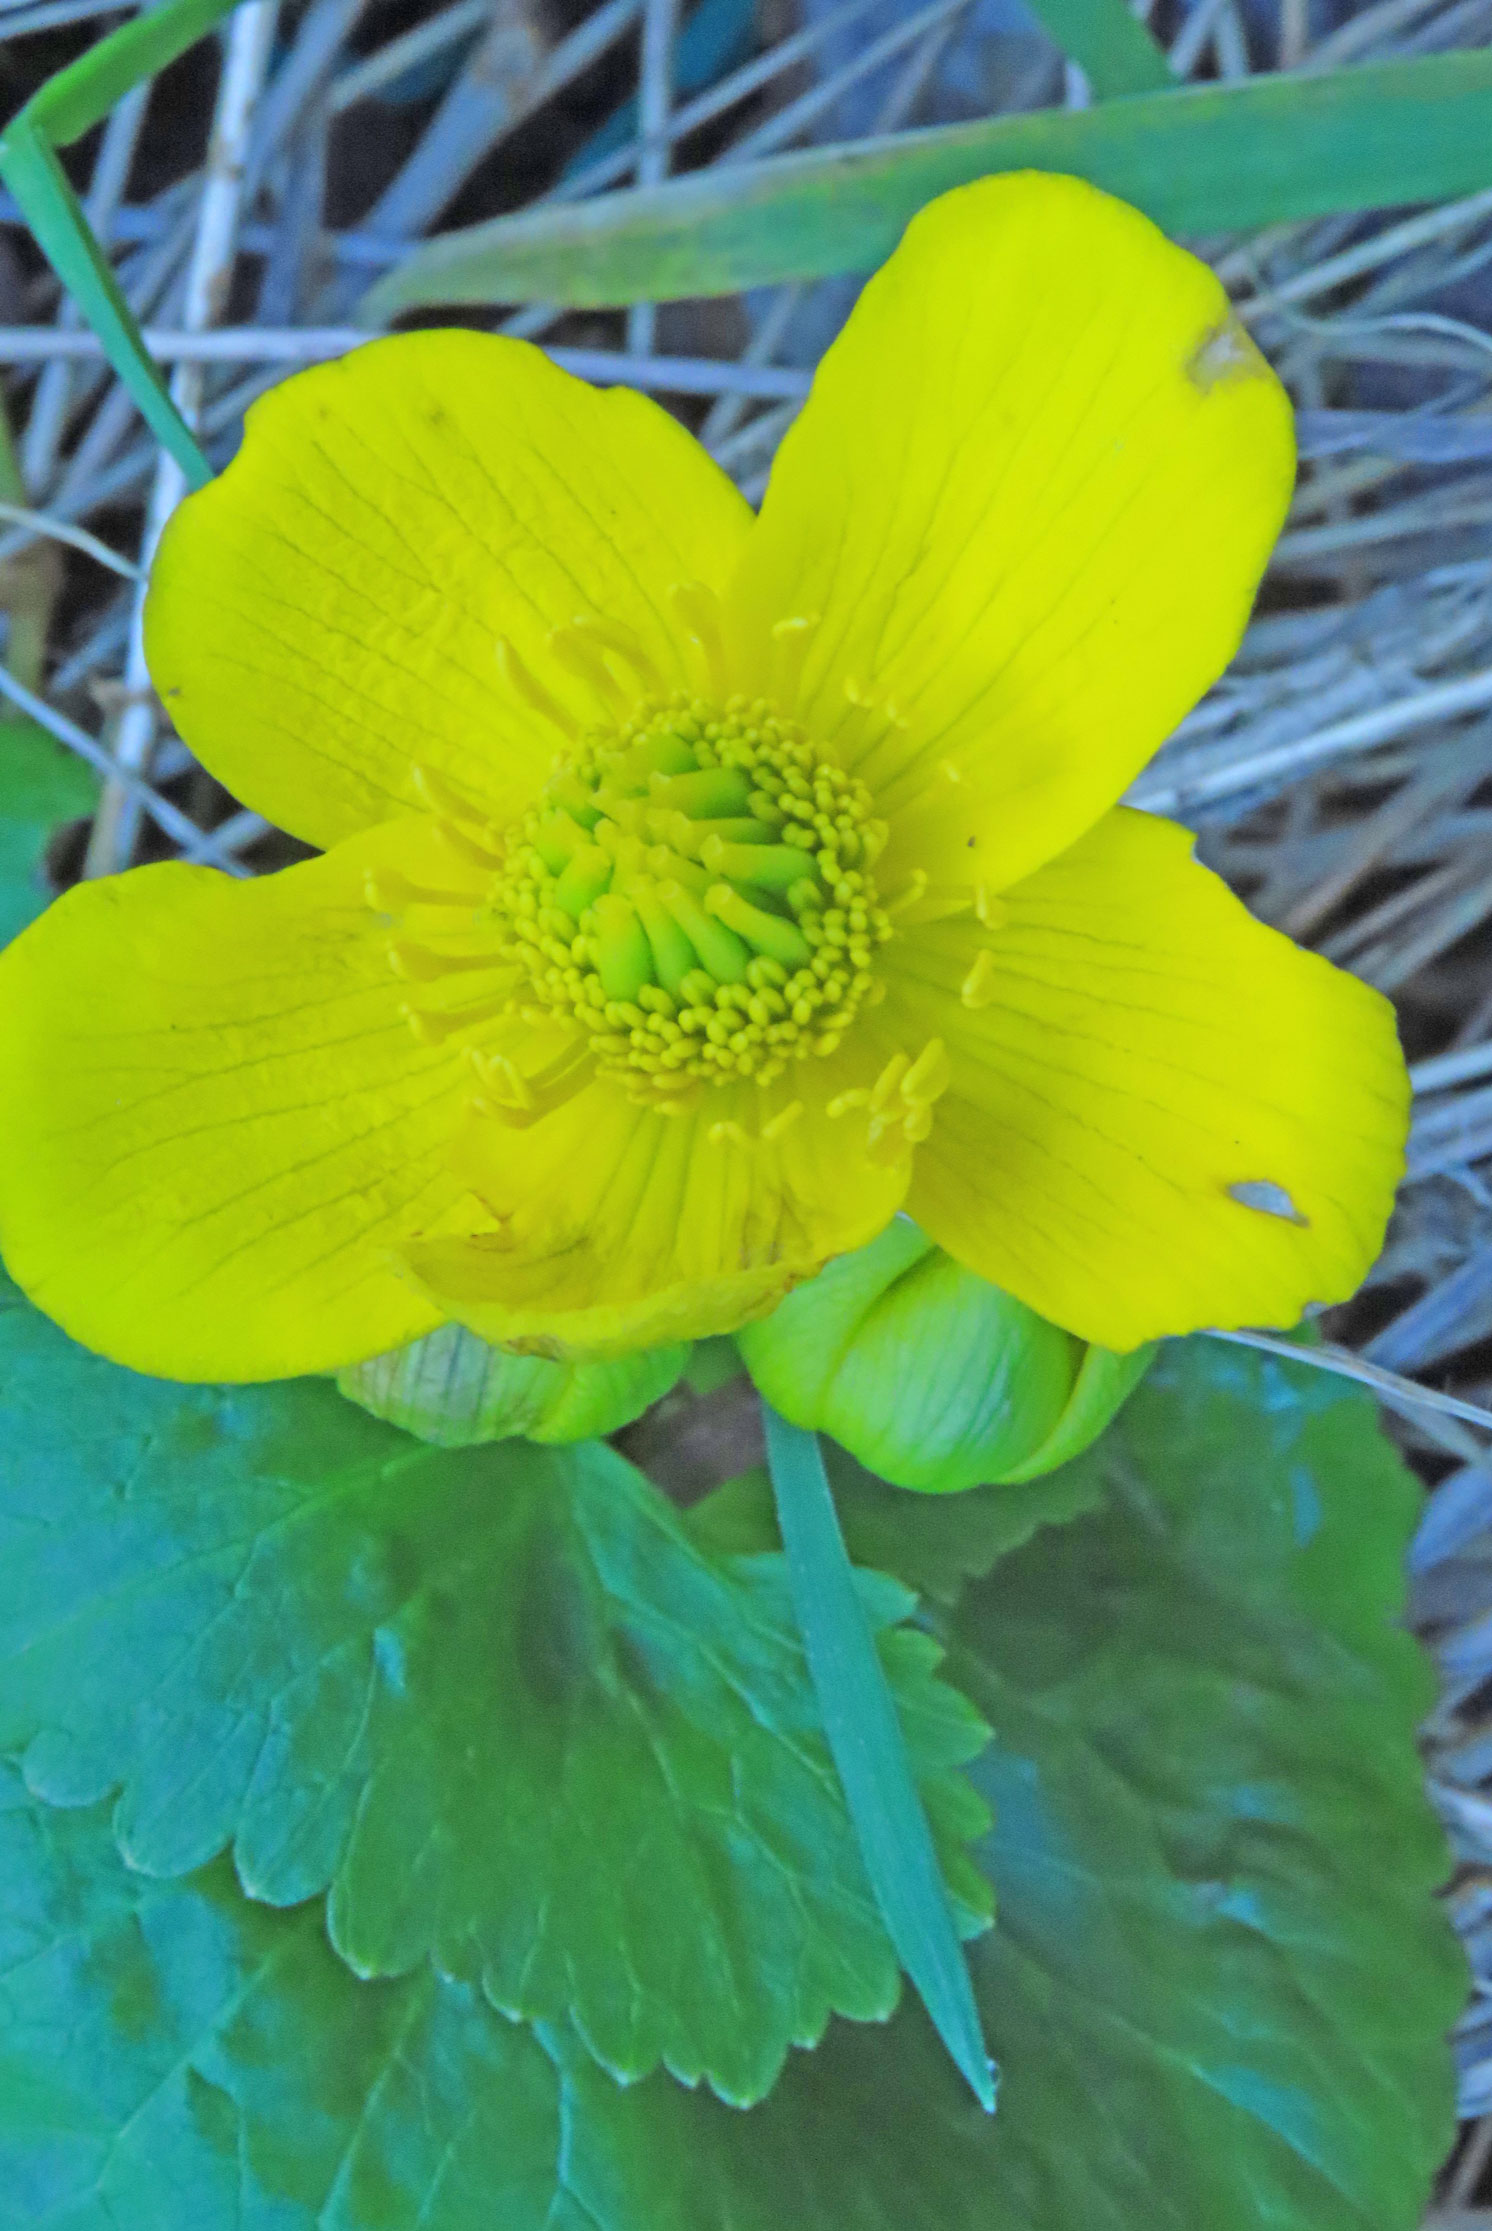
699,889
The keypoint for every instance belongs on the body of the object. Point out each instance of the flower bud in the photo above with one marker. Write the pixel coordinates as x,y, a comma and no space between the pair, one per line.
456,1390
930,1376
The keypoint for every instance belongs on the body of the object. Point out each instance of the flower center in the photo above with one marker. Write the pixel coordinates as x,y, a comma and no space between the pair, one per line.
695,894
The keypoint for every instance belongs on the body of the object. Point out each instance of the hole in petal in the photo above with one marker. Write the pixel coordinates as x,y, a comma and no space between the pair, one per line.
1270,1199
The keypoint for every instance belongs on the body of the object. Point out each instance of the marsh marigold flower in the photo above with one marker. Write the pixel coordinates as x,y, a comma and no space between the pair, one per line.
700,889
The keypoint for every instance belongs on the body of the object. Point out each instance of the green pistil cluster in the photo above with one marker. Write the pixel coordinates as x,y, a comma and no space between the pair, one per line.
695,892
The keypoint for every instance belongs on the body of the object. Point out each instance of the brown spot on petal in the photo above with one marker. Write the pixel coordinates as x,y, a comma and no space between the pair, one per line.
1225,352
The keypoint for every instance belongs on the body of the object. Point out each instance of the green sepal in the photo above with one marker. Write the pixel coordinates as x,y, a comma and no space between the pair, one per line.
496,1703
933,1378
456,1390
1104,1383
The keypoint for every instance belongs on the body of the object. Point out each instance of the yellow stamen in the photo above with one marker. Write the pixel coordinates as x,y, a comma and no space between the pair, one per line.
432,1029
526,685
978,987
444,800
910,892
388,892
625,642
793,636
699,609
586,659
694,896
929,1076
884,1090
420,964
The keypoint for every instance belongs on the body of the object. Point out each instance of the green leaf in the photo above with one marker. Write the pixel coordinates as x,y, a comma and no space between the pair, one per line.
496,1701
1207,158
935,1543
77,98
1211,1667
30,168
69,104
455,1390
1116,52
41,786
1219,1985
869,1751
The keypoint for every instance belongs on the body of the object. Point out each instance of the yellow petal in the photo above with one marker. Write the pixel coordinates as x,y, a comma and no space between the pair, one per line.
326,616
1162,1115
215,1120
1023,515
613,1227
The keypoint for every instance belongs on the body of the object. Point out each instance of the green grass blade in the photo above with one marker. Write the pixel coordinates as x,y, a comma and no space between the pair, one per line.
34,175
80,96
1211,158
869,1750
1114,50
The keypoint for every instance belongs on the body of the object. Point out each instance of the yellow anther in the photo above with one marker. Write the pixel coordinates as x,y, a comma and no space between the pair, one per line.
418,964
992,912
978,987
525,684
442,798
728,1134
844,1102
484,853
512,1086
910,892
434,1029
699,608
585,656
388,892
625,642
949,772
520,1098
885,1088
782,1122
929,1076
